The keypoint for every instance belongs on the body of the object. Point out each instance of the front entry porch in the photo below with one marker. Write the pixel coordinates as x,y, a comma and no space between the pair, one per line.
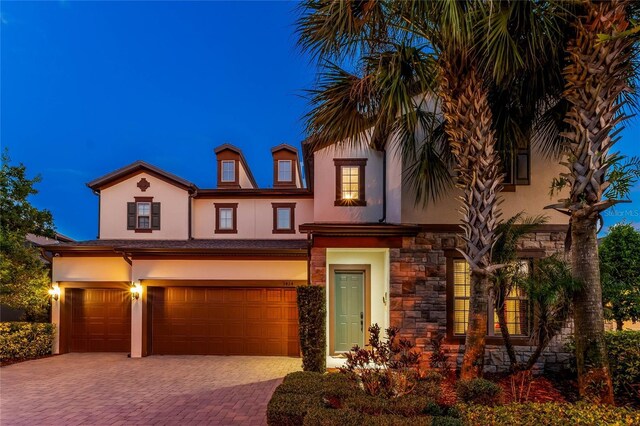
357,297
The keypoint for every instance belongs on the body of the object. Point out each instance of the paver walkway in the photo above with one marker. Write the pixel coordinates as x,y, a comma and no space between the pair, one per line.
111,389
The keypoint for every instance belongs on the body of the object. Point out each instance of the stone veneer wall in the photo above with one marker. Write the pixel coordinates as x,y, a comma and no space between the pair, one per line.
418,296
419,301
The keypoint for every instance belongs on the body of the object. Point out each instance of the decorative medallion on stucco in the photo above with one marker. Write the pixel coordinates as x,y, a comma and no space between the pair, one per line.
143,184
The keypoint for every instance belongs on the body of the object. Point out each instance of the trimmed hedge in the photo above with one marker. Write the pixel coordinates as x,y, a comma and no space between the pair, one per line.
316,399
549,414
312,324
24,340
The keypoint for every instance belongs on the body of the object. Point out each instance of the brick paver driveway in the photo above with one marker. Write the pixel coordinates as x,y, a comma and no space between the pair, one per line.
109,389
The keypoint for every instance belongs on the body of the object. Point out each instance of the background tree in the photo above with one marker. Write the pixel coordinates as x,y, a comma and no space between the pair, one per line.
24,278
620,266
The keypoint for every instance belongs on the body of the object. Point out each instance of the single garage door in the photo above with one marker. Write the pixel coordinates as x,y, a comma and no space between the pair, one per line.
223,321
100,320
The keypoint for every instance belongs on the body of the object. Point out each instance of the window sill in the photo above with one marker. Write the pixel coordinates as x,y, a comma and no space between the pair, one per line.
491,340
143,230
350,203
284,231
226,231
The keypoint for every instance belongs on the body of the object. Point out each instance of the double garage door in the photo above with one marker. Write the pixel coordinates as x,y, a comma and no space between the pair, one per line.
192,320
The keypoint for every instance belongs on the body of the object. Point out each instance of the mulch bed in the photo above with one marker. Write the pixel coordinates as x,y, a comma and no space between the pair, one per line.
18,361
539,390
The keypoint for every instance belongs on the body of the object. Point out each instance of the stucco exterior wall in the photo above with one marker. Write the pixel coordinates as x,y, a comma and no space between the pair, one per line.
90,269
255,218
173,209
220,269
325,186
528,198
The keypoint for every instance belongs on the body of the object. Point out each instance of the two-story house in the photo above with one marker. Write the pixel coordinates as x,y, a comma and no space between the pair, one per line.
214,271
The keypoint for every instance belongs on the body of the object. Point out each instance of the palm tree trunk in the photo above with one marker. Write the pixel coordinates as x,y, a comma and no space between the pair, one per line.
594,378
506,336
596,76
468,121
619,324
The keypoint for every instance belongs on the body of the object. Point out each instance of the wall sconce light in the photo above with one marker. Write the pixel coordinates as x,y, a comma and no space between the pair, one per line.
54,292
136,291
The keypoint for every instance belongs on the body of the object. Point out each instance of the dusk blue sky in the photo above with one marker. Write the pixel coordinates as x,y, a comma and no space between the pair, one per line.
88,87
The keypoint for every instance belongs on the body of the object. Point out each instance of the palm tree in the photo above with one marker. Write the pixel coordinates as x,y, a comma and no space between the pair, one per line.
597,76
405,50
548,285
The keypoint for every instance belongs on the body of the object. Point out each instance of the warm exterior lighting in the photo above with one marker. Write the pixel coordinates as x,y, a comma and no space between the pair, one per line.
54,292
136,291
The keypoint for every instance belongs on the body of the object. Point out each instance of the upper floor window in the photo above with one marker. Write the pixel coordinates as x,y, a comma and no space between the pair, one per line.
284,218
143,215
285,171
228,171
226,218
516,166
516,304
350,182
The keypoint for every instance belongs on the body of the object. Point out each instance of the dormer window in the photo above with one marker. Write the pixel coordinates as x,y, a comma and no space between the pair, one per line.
228,171
350,183
285,171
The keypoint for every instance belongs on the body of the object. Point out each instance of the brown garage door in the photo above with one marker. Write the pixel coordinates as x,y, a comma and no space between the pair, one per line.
223,321
100,320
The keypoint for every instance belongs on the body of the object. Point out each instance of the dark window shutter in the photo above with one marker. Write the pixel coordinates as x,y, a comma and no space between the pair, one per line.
155,215
131,215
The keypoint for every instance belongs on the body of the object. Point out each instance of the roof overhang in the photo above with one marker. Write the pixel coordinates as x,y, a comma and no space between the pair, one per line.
135,168
359,230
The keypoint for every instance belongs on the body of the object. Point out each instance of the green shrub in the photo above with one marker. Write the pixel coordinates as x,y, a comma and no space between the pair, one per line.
289,409
549,414
478,391
302,383
446,421
338,386
312,324
330,417
23,340
320,416
623,348
427,389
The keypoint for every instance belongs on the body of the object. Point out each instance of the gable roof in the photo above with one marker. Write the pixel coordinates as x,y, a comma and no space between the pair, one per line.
284,146
135,168
245,165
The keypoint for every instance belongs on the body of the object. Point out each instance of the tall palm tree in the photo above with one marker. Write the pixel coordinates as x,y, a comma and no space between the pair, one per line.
451,49
597,76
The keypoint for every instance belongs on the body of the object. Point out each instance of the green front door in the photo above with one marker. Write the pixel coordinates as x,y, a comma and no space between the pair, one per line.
349,310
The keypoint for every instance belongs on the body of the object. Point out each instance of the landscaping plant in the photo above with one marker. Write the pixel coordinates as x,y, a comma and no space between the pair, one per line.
23,340
312,327
386,367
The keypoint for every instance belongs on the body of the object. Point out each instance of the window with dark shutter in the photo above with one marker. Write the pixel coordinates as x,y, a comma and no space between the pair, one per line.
155,216
131,215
